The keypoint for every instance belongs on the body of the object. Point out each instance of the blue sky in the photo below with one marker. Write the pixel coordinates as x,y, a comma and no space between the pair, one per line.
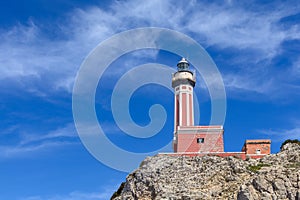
255,45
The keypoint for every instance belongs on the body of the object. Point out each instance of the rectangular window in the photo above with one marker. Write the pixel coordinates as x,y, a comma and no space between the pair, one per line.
200,140
258,151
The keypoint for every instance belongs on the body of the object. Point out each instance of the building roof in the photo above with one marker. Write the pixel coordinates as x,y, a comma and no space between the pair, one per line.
263,141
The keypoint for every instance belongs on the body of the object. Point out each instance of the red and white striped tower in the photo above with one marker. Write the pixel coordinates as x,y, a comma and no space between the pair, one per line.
187,136
183,82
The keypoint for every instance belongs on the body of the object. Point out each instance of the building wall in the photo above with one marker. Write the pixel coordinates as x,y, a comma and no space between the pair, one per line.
257,147
188,142
186,145
241,155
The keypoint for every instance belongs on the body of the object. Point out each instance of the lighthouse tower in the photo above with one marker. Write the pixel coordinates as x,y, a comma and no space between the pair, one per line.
187,137
183,82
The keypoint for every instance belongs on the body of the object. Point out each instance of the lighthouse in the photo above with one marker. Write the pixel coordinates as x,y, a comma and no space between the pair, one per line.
187,136
183,82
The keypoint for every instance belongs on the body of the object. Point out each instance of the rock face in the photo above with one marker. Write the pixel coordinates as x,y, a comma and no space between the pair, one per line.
276,176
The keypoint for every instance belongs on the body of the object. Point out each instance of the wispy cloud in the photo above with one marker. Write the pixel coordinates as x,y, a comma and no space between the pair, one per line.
256,32
243,28
68,131
33,143
73,196
103,194
21,150
282,134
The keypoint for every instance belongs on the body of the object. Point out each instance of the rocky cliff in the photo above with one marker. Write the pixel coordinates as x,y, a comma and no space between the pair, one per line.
275,176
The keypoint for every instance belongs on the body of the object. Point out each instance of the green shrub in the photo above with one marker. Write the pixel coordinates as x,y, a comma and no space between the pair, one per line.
255,168
293,165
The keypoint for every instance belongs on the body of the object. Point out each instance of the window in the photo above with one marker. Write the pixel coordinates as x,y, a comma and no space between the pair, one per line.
257,151
200,140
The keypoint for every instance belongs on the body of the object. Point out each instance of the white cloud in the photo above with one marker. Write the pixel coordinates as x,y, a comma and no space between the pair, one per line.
283,134
103,194
27,51
30,143
242,82
67,131
74,196
242,27
21,150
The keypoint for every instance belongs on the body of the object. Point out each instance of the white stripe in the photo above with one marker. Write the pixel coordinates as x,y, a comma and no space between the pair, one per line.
180,108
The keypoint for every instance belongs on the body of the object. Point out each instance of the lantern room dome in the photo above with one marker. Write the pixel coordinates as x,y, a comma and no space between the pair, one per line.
183,65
